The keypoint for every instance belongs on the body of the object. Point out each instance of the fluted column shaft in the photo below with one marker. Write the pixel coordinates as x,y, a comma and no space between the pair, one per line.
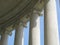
34,33
50,23
19,39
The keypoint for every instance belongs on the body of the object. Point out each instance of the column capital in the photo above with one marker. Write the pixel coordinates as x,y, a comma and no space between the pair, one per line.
22,24
36,12
23,21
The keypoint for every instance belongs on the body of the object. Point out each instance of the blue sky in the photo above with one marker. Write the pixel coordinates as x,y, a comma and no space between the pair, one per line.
58,13
26,30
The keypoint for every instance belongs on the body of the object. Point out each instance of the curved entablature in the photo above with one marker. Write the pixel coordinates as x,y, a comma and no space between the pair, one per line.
13,12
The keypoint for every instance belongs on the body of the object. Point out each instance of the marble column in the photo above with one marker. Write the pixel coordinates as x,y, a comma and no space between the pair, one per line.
4,39
19,39
51,36
34,33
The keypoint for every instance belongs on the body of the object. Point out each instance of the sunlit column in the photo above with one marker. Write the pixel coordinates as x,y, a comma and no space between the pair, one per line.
51,36
34,33
19,39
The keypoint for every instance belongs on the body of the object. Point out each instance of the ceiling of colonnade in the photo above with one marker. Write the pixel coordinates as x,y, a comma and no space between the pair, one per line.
11,11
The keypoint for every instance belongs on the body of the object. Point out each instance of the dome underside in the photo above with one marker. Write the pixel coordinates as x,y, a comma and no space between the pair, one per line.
11,11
